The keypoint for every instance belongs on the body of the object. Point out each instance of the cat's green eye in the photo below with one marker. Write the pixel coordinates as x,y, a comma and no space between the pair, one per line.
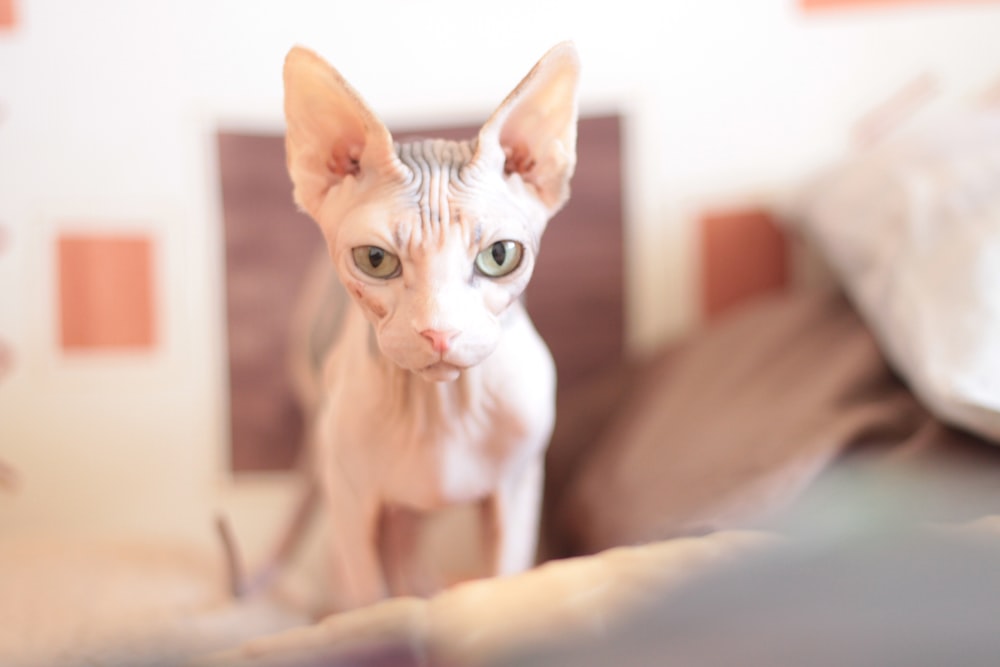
500,259
376,262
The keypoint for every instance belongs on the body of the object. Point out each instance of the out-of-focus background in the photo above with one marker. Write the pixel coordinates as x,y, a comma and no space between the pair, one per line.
114,378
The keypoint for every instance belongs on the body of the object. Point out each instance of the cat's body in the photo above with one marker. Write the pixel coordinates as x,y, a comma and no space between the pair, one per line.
437,390
424,446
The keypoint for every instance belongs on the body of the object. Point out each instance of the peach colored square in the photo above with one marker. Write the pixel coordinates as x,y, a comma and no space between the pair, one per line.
106,292
8,15
744,254
809,5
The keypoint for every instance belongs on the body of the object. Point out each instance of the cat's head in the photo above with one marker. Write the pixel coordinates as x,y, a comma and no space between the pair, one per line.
435,239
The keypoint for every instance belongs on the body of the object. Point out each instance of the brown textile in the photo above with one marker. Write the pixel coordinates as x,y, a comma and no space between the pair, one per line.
730,427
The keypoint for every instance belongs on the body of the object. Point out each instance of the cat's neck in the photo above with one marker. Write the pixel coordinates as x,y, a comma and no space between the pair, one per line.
428,402
434,408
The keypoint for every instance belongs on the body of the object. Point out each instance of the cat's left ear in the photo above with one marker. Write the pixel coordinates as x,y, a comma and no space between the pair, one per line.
533,132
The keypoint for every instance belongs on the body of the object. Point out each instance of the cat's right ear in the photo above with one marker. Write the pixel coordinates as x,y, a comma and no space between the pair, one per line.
331,133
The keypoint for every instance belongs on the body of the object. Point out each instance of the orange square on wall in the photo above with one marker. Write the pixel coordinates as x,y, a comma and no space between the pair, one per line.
106,292
743,254
832,4
8,15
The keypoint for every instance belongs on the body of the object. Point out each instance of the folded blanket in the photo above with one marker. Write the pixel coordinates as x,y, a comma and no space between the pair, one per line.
486,620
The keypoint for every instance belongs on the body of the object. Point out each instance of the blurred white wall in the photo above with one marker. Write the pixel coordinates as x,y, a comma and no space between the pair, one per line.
108,110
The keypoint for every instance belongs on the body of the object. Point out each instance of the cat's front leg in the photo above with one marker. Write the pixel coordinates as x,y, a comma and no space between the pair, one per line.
512,516
356,578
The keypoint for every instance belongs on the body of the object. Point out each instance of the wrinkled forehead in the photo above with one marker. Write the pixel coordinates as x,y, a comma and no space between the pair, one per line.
432,158
435,168
446,193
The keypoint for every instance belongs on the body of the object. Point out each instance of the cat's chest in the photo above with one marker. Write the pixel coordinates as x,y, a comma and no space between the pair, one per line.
425,445
458,450
455,465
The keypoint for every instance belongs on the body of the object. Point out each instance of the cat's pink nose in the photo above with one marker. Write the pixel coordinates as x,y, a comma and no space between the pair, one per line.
440,340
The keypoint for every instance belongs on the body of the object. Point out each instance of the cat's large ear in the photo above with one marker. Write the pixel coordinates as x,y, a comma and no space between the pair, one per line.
533,132
331,133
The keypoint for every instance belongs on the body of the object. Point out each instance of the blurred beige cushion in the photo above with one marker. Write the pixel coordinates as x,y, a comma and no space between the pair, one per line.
912,228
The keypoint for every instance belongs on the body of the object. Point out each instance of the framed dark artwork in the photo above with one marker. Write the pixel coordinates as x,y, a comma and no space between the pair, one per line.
575,297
